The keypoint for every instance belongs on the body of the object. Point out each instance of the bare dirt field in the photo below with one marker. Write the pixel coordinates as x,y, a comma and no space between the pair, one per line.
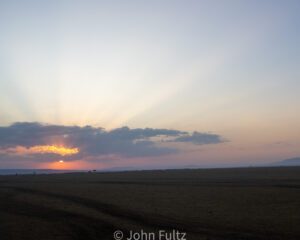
237,203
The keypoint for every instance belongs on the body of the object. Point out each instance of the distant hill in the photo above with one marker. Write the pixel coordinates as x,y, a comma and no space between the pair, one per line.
288,162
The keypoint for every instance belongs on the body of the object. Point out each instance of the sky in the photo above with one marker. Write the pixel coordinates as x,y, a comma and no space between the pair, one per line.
148,84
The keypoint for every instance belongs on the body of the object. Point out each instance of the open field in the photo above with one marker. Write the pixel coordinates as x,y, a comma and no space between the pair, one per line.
245,203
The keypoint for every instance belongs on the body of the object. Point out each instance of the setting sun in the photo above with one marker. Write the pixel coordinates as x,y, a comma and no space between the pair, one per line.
61,161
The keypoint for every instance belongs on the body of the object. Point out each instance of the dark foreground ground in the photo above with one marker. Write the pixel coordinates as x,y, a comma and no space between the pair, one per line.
249,203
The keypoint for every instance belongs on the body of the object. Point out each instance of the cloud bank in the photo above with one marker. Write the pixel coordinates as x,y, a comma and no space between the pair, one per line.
45,142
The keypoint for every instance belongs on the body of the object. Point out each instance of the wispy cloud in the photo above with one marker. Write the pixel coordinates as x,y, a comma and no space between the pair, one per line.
200,138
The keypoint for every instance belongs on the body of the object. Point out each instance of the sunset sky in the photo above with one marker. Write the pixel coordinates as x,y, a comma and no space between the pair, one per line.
148,84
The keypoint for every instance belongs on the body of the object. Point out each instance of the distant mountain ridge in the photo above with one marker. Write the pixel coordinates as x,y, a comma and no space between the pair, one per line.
288,162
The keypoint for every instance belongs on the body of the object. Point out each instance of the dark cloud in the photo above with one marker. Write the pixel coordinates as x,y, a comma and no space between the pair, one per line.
31,133
93,142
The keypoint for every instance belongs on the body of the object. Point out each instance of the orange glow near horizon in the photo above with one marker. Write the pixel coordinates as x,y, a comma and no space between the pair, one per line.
69,165
63,151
